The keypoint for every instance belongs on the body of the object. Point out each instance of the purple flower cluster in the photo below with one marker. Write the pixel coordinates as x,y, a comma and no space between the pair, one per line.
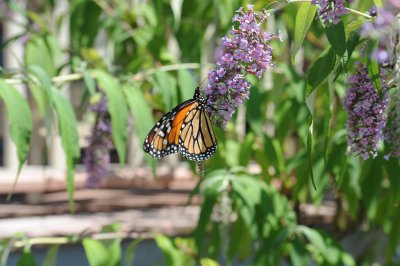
366,110
330,11
392,130
97,156
246,51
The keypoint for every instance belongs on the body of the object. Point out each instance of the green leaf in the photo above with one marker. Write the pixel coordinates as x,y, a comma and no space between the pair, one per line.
90,84
166,85
42,50
321,68
95,252
43,78
5,247
325,248
208,262
378,3
118,110
298,253
304,18
352,43
310,102
186,84
69,137
337,37
26,259
172,256
84,23
210,199
130,251
51,257
373,66
100,255
176,6
42,92
20,123
246,149
139,109
114,253
354,26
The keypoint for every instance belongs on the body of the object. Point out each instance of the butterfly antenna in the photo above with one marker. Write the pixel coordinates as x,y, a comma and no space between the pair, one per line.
202,85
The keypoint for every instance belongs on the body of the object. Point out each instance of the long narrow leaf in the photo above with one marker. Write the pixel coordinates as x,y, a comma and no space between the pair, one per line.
139,109
20,122
310,102
51,256
95,251
304,18
337,37
118,110
69,137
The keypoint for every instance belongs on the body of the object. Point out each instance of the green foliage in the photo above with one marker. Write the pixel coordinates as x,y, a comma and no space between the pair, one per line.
139,108
337,38
20,122
100,255
69,138
26,259
130,252
118,111
51,256
304,18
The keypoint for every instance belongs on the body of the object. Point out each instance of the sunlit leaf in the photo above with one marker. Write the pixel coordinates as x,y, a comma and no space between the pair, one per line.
95,252
172,256
304,18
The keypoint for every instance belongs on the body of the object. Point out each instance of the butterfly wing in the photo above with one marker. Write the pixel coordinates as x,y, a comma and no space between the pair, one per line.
197,140
163,138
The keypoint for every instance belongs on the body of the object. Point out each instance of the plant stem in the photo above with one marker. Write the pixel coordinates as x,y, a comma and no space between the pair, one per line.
358,13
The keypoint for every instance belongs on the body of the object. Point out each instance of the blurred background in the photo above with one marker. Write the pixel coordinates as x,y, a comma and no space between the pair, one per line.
120,65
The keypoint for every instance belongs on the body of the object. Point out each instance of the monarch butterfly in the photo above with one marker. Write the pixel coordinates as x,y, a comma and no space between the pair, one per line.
186,129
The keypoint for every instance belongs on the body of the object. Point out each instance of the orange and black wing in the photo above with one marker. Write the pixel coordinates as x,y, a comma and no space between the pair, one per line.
163,138
197,140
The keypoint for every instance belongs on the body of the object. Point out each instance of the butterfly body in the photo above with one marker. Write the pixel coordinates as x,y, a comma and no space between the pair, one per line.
186,129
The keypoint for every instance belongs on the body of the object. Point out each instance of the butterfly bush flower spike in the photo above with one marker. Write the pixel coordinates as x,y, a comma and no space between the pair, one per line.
366,110
245,51
331,11
97,156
